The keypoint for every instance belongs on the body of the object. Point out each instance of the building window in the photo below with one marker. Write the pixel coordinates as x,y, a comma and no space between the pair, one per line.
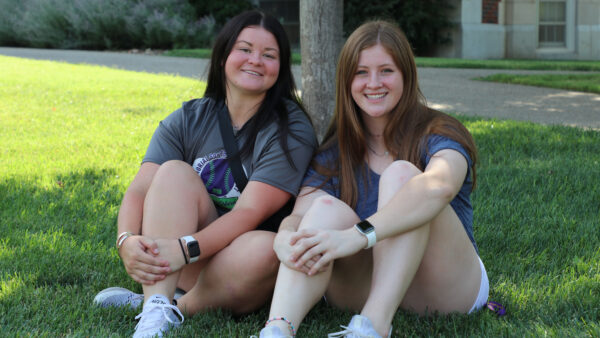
553,23
489,11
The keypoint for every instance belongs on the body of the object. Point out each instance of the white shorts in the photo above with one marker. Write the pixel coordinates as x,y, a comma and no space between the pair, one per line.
484,289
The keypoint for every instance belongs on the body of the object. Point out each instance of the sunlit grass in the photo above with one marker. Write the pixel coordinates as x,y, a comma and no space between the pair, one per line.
72,137
578,82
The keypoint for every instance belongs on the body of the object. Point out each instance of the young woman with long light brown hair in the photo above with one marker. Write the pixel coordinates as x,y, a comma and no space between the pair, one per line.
392,177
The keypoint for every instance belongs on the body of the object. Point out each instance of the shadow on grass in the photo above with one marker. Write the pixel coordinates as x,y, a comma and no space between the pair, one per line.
59,234
536,223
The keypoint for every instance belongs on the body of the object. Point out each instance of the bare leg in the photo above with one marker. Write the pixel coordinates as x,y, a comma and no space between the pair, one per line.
177,204
239,278
424,264
295,292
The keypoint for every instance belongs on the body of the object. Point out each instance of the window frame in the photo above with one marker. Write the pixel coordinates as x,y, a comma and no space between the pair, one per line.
569,27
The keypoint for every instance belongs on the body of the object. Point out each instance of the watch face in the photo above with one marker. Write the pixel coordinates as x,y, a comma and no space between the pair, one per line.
365,227
193,249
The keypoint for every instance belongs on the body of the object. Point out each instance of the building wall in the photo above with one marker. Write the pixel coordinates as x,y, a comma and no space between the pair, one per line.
492,29
588,29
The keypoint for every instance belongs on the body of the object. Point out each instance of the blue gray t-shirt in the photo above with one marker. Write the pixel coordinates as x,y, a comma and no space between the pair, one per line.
367,198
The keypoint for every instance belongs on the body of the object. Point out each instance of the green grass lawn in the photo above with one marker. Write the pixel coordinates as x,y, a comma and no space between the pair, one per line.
71,140
578,82
566,65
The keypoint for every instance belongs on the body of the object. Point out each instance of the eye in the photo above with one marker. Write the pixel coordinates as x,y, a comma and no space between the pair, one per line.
361,72
244,49
270,56
387,70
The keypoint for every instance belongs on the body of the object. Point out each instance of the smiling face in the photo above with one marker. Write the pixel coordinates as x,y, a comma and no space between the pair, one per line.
252,67
377,84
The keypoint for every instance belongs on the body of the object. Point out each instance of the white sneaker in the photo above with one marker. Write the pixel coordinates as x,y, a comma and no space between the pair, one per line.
117,296
359,327
157,317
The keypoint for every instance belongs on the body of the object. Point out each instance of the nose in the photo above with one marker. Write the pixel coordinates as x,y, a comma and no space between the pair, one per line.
254,58
374,80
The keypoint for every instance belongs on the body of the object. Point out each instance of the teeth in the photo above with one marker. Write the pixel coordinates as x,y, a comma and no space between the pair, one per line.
251,72
375,96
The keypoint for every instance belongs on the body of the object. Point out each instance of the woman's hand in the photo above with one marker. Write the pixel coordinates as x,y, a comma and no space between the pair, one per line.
141,259
318,248
170,250
288,253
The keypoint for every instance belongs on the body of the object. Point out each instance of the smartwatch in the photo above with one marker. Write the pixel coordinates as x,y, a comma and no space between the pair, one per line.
368,230
193,248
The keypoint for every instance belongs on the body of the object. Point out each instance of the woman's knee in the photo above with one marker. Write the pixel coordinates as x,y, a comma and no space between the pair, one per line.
396,175
177,177
325,212
172,170
399,171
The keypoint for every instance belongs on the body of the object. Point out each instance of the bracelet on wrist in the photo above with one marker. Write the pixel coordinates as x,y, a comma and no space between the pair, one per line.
122,237
183,252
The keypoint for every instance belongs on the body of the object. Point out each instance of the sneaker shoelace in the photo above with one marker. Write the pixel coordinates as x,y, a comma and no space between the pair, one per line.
349,331
149,316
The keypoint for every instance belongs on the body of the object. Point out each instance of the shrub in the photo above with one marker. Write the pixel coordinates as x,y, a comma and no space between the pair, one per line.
168,24
44,24
423,21
221,10
107,24
10,14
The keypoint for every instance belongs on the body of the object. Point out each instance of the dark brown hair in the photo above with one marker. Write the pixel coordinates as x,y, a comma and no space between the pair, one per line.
409,121
273,107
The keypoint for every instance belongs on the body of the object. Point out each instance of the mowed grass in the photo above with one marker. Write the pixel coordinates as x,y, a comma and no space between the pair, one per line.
71,140
564,65
578,82
437,62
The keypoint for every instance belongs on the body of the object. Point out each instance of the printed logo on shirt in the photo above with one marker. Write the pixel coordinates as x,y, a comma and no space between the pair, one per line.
214,171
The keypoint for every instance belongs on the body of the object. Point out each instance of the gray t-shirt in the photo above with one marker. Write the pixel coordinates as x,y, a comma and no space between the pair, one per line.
367,198
191,134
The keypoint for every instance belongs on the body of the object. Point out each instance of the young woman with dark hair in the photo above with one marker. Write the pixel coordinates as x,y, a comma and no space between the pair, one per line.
392,177
183,222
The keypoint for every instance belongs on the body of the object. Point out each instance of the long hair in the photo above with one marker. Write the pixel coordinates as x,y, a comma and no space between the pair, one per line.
273,107
409,121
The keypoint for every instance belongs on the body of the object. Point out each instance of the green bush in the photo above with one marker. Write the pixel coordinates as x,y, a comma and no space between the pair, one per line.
221,10
10,14
169,24
423,21
108,24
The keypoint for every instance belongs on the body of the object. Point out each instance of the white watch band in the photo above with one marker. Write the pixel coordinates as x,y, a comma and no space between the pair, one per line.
187,240
368,230
371,239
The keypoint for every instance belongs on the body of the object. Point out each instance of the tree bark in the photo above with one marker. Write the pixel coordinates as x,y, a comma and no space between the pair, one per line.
321,29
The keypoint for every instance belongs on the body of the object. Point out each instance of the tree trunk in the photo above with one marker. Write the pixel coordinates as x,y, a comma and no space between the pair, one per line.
321,29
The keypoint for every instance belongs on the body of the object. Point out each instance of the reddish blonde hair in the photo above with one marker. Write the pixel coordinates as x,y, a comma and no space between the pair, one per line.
409,122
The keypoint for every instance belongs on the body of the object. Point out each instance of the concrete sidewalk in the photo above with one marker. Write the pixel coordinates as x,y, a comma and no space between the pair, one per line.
447,89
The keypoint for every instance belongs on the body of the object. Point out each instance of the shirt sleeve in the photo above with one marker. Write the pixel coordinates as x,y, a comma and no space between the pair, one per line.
167,142
437,142
314,179
272,165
